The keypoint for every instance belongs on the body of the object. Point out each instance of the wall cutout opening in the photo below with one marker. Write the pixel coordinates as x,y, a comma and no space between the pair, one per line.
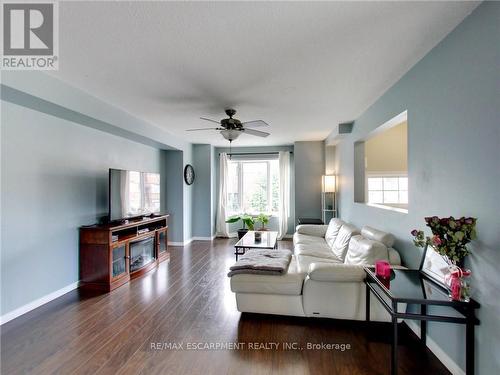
381,166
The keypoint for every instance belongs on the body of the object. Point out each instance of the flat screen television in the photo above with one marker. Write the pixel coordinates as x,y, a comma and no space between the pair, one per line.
133,194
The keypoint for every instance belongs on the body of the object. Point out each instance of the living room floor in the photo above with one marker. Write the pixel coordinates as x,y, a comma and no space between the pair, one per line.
146,327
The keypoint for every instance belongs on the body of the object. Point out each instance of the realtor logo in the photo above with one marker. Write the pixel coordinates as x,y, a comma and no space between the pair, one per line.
29,36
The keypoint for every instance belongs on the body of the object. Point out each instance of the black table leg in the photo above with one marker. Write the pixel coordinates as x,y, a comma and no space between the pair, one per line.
394,348
367,302
239,251
469,345
423,326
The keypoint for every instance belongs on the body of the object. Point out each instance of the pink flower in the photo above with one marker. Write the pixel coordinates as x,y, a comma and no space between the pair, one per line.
414,232
436,240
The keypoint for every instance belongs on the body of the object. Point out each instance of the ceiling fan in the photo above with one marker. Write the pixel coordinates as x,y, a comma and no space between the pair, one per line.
232,128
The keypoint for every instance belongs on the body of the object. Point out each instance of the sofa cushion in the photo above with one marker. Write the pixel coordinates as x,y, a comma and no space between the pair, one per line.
377,235
312,230
394,257
304,261
289,283
333,231
338,272
320,250
365,251
339,247
306,239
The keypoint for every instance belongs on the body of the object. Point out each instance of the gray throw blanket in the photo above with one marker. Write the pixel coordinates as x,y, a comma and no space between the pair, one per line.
262,262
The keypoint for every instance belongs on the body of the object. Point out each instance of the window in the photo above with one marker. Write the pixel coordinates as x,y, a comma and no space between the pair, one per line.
253,186
381,166
390,190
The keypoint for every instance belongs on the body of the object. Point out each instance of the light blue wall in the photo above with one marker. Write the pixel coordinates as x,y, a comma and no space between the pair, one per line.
202,191
309,167
453,103
54,179
40,92
58,143
187,199
174,193
273,222
213,184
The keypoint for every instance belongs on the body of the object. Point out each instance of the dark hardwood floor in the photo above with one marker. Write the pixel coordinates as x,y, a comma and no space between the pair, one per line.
189,301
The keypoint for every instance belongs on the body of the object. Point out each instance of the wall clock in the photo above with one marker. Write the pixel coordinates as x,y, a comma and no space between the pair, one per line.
189,174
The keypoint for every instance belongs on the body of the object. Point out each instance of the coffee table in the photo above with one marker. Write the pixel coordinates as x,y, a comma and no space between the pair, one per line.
268,241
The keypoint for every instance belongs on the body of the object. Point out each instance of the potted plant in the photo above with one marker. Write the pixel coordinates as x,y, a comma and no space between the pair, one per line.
263,219
248,221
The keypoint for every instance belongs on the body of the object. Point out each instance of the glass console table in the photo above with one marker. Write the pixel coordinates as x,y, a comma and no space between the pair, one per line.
414,288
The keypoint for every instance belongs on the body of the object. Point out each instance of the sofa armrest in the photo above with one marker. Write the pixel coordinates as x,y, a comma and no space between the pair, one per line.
336,272
312,230
394,258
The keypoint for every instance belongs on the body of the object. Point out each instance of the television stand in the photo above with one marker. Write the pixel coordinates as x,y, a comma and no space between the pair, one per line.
114,253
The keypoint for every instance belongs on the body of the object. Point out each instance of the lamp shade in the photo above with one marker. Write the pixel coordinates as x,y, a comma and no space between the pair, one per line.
329,184
230,134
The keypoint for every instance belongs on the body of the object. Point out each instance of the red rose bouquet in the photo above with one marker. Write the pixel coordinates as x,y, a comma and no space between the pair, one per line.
450,236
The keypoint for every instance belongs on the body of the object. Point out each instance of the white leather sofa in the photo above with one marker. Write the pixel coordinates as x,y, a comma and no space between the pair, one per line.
325,277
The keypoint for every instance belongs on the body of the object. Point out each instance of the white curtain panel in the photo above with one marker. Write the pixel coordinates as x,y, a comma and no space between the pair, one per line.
284,197
221,226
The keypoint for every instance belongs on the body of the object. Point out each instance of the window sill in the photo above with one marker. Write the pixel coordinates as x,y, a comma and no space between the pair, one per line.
270,214
389,208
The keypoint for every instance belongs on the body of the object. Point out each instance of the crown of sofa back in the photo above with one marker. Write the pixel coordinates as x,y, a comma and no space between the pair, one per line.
347,243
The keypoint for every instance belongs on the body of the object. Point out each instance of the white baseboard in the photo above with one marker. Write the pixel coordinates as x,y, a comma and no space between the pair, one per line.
37,303
203,238
180,243
287,236
436,349
187,242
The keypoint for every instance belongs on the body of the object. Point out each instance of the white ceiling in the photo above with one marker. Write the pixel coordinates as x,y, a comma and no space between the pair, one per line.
302,67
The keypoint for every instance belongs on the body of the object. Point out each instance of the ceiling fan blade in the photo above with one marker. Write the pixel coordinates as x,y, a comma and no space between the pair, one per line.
207,119
254,124
193,130
258,133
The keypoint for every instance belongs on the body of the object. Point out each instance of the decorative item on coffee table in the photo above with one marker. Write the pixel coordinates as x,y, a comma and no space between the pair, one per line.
258,236
449,240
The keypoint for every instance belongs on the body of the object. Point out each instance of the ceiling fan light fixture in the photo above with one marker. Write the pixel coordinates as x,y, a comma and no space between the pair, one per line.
230,134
